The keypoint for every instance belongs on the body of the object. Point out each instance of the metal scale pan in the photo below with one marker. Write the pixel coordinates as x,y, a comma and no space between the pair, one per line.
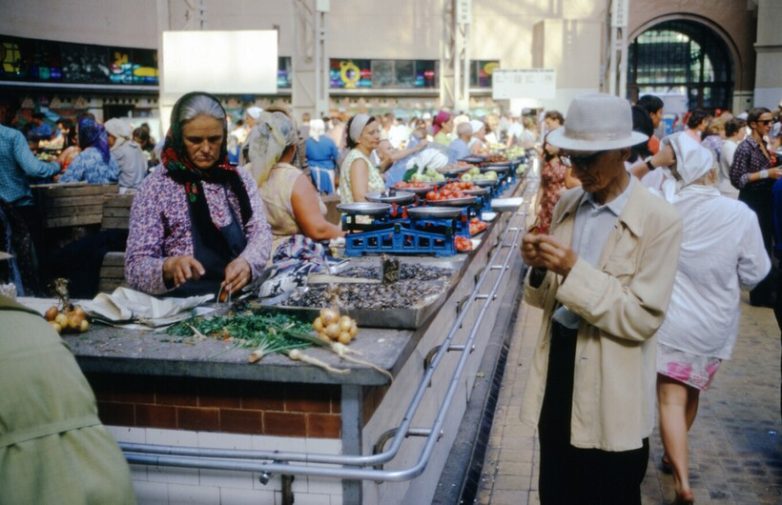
453,202
434,212
479,191
400,197
418,191
364,208
499,166
485,183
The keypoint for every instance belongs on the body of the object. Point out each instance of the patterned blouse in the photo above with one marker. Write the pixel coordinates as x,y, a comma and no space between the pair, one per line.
160,227
89,167
376,182
749,158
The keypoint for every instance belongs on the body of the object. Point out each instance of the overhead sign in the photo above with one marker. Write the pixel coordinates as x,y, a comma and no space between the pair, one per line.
220,62
539,83
463,12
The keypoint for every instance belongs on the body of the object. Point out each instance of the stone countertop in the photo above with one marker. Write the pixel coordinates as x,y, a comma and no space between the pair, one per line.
122,351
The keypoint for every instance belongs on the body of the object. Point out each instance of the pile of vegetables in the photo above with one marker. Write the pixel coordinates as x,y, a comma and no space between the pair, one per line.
274,333
71,319
330,326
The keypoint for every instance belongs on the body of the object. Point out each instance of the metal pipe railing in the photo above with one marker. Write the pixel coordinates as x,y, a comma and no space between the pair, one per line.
252,460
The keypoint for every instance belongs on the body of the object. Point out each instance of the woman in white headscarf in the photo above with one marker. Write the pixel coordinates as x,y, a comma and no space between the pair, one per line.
478,144
722,252
128,154
293,205
322,156
358,175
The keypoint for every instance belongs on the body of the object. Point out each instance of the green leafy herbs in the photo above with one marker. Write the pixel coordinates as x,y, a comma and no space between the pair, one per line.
266,333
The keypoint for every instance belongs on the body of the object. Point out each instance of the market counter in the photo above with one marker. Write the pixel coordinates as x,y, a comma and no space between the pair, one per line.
157,389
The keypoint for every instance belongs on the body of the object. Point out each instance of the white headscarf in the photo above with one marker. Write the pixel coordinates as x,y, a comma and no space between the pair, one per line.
119,129
476,125
317,128
267,140
693,161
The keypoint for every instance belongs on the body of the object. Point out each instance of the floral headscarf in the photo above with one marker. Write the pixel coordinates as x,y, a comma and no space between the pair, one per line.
182,170
273,132
93,134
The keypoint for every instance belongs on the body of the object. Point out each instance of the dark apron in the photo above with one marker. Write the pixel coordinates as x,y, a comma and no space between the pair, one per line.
214,257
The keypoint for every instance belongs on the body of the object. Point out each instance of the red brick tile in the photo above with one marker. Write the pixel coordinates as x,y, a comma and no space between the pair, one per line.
280,423
156,416
198,418
263,396
241,421
219,394
176,392
118,414
324,425
308,398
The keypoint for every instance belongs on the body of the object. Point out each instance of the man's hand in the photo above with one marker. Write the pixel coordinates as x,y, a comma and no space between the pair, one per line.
237,275
529,250
544,251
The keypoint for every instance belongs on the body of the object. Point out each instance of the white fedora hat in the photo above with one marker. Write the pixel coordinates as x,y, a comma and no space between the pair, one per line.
597,122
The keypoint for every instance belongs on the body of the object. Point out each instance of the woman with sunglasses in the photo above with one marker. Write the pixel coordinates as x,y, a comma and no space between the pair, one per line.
754,176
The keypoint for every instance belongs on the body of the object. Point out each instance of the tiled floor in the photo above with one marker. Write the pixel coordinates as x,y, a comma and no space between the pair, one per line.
736,450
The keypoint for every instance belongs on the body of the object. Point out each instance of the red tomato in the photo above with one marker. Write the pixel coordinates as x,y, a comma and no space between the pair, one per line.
431,195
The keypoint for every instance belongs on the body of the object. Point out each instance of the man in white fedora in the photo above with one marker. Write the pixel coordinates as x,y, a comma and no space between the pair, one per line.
603,278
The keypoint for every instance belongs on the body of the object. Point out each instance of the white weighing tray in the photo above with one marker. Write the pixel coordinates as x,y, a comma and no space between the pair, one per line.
506,204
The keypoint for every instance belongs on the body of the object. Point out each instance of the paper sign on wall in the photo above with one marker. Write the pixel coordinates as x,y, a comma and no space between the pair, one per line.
221,62
537,83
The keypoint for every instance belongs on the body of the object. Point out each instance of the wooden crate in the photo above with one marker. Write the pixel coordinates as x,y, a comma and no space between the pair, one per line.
112,272
116,211
68,205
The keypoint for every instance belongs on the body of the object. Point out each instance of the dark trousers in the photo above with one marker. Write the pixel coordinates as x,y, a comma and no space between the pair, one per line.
758,197
573,476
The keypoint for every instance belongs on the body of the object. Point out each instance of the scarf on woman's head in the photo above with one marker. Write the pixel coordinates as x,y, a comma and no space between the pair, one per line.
182,170
93,134
272,133
440,119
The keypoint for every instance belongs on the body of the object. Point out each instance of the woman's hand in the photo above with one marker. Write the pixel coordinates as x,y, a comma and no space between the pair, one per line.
237,275
775,173
180,269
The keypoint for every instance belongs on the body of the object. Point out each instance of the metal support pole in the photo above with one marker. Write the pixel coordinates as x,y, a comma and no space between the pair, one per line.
352,420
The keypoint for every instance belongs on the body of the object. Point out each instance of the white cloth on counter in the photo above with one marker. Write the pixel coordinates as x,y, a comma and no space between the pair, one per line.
126,305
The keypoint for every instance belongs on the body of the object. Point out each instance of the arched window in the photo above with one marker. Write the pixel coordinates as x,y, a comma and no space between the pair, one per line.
681,58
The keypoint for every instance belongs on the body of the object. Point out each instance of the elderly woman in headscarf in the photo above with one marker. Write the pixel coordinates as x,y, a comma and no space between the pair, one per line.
358,175
478,145
442,127
322,157
197,224
94,163
292,203
130,158
722,253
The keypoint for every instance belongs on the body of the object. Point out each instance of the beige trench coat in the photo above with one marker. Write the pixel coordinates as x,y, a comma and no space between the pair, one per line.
621,303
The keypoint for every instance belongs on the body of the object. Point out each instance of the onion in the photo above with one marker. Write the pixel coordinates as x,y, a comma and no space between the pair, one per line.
332,331
317,324
329,316
51,313
345,323
344,338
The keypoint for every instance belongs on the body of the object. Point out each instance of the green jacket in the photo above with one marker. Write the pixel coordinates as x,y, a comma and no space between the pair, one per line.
53,447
